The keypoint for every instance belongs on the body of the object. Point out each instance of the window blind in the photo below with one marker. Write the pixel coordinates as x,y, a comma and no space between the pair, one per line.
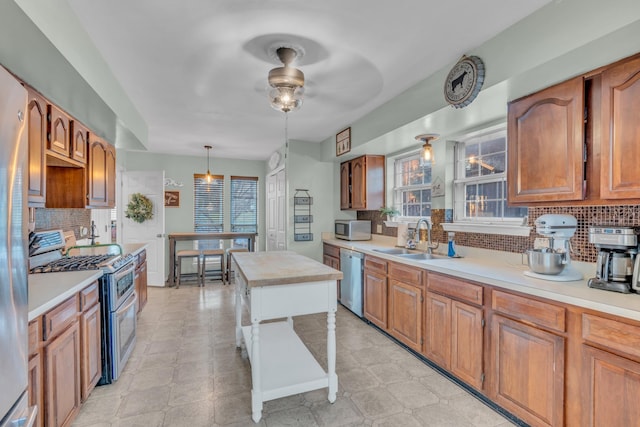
244,205
208,198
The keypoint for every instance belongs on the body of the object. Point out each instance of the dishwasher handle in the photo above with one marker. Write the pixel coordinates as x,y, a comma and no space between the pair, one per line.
351,254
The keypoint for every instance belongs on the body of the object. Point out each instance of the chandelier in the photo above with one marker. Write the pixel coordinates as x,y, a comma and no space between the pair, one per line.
287,83
208,177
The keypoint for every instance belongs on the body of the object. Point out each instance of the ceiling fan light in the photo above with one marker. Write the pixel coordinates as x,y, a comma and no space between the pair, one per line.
285,98
287,83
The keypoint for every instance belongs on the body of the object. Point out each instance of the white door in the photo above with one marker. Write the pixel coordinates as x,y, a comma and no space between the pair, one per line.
281,207
151,232
272,214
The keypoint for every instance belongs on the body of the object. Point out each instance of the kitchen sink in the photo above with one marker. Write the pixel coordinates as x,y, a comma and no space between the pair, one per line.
395,251
421,256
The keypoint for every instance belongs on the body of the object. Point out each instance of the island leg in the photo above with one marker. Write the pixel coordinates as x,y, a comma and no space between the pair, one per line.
331,355
239,289
256,391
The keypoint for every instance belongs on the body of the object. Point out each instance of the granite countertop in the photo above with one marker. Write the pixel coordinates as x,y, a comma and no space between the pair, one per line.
281,268
506,270
46,290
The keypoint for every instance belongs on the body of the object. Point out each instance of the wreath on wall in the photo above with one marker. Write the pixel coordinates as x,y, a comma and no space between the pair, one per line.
140,208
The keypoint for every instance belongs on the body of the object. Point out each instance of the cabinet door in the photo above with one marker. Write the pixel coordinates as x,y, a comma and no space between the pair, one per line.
358,183
405,313
546,145
97,173
36,392
528,369
37,136
111,176
59,132
466,343
62,377
375,298
345,185
438,329
91,361
79,142
611,389
620,151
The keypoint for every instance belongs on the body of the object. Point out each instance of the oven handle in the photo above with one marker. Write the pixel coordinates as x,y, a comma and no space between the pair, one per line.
131,300
124,271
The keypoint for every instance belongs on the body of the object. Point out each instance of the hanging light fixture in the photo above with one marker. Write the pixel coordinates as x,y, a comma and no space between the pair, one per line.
426,154
287,83
208,177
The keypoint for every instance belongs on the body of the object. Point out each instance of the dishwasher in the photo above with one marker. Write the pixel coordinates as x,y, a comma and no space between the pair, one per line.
351,285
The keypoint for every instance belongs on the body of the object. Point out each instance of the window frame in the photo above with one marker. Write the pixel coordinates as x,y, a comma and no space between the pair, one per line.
399,189
233,201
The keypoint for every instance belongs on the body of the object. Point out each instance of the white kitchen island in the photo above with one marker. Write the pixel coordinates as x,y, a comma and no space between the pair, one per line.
282,285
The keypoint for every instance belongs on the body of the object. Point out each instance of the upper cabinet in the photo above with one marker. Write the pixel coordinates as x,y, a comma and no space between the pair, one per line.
620,136
101,173
37,137
79,141
577,141
362,183
546,145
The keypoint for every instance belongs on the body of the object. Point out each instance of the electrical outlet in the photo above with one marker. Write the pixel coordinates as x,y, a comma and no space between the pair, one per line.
379,228
541,242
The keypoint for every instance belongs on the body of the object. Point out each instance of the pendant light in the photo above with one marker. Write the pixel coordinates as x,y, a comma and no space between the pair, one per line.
426,154
208,177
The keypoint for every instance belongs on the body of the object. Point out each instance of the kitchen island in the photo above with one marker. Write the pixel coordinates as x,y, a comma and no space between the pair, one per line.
278,285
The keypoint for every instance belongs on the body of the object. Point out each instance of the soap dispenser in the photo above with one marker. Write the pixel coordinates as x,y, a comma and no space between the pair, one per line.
452,250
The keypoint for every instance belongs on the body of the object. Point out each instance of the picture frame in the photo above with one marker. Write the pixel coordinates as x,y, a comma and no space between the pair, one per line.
343,142
172,199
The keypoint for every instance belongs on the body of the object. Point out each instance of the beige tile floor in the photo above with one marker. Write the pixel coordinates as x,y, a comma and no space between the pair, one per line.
186,371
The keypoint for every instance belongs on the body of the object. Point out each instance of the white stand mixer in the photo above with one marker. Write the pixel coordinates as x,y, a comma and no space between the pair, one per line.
558,228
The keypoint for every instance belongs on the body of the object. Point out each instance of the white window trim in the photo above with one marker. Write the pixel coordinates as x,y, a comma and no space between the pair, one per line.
410,220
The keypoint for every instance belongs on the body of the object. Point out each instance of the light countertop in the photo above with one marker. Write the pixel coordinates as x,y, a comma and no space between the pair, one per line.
281,268
46,290
129,248
505,270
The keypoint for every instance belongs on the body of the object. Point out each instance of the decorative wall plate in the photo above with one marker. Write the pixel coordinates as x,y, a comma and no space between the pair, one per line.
274,160
464,81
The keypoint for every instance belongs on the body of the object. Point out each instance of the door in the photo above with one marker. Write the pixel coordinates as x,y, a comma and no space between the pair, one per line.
375,298
405,313
358,183
345,185
281,207
151,232
438,329
466,343
272,212
37,135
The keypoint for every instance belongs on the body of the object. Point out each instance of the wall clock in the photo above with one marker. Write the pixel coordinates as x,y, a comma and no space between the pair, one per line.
274,160
464,81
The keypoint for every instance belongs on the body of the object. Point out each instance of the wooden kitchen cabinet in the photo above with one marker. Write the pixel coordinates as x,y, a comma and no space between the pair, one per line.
35,370
141,279
362,184
375,291
454,336
405,304
79,141
620,130
331,257
90,352
101,173
37,137
546,145
59,133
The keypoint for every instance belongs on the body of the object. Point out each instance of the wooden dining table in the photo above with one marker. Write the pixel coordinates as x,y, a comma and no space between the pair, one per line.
191,236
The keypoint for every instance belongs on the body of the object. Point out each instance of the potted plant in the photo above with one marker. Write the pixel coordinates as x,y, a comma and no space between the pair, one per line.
390,212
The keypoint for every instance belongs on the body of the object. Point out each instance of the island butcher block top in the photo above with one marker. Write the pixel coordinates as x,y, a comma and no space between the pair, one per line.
281,268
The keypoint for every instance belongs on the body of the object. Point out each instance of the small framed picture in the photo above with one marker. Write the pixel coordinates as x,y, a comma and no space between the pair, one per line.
343,142
172,199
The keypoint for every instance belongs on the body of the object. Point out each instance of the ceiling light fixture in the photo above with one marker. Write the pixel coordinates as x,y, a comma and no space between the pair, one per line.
426,154
208,177
287,83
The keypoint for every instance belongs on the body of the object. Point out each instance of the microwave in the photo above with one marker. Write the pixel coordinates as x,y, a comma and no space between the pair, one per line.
352,229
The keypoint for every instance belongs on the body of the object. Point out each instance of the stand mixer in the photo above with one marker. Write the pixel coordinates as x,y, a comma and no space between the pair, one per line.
558,228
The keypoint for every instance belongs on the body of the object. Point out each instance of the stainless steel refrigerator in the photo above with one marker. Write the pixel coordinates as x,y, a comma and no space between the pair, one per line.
14,398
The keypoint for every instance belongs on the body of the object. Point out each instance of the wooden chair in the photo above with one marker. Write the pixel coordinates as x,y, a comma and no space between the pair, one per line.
212,250
189,254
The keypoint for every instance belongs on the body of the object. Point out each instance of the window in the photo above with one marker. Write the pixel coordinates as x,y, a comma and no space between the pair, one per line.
481,182
412,192
244,206
208,210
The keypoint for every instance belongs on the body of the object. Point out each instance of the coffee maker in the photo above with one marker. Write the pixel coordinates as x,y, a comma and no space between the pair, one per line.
617,253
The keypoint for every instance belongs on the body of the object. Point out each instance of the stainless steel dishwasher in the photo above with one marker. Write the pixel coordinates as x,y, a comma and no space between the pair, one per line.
351,285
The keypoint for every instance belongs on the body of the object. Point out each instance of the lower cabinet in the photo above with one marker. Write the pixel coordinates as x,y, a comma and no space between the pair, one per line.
62,377
35,373
375,298
331,257
405,313
528,369
91,350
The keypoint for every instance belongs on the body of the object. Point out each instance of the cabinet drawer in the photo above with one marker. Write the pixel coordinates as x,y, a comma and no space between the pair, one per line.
618,336
331,250
375,264
529,310
35,335
455,288
405,274
89,296
56,320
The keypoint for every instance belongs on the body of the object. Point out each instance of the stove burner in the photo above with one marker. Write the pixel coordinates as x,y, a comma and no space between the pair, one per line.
75,263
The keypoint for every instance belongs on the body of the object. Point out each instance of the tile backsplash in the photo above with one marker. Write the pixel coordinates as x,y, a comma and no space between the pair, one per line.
65,219
587,216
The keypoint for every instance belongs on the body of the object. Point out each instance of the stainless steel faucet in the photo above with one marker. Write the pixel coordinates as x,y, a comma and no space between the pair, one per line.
430,246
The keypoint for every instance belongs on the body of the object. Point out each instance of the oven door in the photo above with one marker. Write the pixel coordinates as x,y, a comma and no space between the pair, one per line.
122,285
123,334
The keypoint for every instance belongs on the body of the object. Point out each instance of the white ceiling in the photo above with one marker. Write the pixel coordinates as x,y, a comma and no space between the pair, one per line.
197,69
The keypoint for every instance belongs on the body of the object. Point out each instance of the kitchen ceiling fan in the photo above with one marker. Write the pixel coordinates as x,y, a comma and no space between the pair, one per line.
287,82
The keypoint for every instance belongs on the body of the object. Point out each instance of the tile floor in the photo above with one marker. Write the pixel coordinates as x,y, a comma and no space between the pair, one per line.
186,371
